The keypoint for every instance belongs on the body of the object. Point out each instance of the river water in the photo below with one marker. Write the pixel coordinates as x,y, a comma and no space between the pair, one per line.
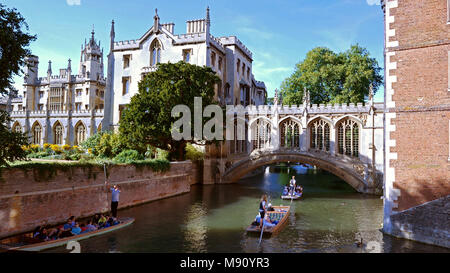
330,217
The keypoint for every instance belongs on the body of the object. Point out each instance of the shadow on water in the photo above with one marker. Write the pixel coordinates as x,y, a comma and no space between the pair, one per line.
330,217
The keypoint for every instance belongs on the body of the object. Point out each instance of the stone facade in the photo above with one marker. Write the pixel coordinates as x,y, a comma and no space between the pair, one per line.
347,136
129,61
417,106
26,201
62,108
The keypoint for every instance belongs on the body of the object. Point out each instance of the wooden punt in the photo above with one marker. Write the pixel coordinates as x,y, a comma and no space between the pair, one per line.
289,197
281,213
26,242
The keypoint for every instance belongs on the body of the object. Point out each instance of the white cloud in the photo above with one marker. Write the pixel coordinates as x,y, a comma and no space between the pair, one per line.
73,2
373,2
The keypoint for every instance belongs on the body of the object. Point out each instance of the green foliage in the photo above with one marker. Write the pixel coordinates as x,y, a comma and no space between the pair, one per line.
156,165
13,43
103,144
91,142
10,142
333,77
128,156
147,119
162,154
193,153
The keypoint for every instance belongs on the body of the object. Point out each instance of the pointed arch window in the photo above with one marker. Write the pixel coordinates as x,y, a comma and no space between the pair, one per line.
348,138
36,132
290,134
155,52
261,129
320,135
80,133
17,128
58,133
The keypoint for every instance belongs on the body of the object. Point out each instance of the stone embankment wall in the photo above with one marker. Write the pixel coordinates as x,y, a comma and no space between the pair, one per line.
27,200
428,223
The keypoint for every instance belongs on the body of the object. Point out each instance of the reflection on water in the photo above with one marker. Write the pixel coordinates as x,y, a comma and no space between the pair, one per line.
330,217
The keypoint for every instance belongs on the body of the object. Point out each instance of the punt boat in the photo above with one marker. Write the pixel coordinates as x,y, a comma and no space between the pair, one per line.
293,197
280,213
26,242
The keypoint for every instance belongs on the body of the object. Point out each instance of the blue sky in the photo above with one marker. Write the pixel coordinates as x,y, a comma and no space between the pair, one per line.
278,32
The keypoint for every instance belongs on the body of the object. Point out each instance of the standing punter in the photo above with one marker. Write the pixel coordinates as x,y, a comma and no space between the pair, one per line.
114,200
292,185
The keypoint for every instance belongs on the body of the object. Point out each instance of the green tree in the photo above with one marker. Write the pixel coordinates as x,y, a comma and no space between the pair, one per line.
147,119
333,77
13,50
10,142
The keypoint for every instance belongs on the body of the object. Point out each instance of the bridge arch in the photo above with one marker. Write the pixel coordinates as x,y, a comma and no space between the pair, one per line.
343,170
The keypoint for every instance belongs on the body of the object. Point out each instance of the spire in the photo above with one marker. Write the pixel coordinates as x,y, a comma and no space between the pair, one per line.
208,19
275,99
69,65
112,35
306,98
49,70
156,22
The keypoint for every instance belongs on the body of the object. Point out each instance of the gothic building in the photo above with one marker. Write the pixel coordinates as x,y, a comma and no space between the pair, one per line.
130,60
64,108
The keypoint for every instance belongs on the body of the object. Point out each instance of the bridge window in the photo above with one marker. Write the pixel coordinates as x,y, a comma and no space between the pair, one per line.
320,135
348,138
261,134
290,134
236,145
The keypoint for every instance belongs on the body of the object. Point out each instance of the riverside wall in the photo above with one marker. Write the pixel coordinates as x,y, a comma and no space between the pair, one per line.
27,200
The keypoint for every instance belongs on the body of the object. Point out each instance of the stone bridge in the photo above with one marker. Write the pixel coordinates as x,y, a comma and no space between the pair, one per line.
346,140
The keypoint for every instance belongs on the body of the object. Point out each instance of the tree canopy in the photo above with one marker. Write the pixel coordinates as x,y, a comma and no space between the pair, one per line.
147,119
333,77
13,50
13,47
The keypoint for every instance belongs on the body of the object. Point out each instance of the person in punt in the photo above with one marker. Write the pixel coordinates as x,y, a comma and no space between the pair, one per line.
262,208
76,230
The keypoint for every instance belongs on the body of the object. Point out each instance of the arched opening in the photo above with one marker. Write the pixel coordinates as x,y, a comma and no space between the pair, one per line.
58,133
241,168
290,133
155,52
80,133
36,133
319,135
260,131
17,127
348,137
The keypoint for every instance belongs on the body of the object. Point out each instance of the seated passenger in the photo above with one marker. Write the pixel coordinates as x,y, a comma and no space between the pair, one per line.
101,221
36,231
43,235
90,227
115,221
76,230
83,227
68,225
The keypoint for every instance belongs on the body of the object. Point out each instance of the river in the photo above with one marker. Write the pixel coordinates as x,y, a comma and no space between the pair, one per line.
330,217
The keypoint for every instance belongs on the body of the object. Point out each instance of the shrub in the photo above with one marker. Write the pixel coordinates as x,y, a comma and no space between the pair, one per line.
193,153
162,154
46,145
41,154
128,156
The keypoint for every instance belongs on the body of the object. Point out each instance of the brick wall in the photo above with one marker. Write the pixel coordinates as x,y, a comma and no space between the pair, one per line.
417,98
26,203
422,101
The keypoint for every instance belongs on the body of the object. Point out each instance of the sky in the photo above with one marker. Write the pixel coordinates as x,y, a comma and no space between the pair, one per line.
279,33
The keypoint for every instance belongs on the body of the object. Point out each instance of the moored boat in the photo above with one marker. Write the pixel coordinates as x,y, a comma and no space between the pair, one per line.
26,242
279,214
